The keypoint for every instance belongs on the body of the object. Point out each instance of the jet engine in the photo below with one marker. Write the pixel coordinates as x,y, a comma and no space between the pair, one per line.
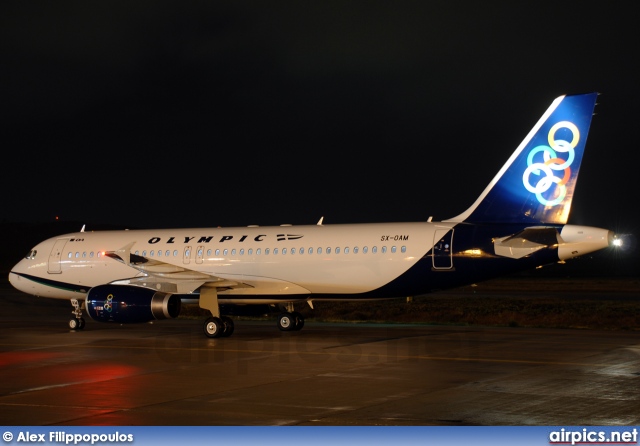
129,304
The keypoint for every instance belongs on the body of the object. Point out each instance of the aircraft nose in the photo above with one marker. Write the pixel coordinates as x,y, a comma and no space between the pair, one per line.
14,280
15,276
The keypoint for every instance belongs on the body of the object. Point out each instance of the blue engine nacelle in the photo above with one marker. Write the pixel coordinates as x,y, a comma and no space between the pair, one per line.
128,304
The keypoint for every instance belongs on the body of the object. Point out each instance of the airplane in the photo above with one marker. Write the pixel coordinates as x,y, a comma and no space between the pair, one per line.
518,222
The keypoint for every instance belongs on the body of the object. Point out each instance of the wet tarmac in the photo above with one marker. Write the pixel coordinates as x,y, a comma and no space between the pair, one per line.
169,373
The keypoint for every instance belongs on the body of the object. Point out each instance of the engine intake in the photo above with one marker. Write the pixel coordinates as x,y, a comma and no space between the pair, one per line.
128,304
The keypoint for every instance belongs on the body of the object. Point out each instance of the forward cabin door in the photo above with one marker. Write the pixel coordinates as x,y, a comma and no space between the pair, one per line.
55,256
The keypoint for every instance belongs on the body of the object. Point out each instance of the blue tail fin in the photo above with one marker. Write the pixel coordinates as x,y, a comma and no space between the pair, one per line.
536,184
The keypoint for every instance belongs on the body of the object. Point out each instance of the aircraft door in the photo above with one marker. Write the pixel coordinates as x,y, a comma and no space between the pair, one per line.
443,249
187,255
55,256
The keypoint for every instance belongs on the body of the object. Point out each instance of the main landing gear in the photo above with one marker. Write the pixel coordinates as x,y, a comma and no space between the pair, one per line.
218,327
76,322
290,321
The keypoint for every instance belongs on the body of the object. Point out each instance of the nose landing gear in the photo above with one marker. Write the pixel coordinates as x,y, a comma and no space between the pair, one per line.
76,322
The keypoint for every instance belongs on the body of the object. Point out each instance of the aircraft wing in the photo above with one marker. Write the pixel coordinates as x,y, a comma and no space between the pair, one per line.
166,277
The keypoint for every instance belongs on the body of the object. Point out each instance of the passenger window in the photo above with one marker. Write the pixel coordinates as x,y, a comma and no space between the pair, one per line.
293,250
275,251
217,252
346,250
209,252
384,249
310,250
393,249
319,250
266,251
365,249
328,250
301,250
337,250
403,249
175,253
233,252
258,251
374,249
355,250
225,252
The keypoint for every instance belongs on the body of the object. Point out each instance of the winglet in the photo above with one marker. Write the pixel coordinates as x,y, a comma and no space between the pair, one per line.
320,221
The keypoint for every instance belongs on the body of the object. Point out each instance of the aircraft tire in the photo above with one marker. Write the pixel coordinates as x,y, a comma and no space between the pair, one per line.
213,327
76,323
286,322
228,326
299,320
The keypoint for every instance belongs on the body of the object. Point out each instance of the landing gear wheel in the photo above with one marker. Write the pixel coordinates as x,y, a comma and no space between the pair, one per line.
293,321
214,327
299,320
286,322
76,323
228,326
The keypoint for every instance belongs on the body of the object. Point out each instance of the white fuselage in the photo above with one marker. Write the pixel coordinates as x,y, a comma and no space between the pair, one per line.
277,262
265,260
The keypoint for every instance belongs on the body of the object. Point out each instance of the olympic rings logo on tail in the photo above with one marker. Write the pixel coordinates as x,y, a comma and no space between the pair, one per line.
552,162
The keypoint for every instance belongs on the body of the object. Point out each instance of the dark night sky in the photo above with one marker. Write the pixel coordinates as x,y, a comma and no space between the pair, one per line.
182,113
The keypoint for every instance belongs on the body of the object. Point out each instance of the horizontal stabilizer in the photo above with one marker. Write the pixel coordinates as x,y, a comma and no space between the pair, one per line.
526,242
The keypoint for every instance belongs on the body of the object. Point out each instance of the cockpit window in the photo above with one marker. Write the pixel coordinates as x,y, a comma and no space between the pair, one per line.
31,254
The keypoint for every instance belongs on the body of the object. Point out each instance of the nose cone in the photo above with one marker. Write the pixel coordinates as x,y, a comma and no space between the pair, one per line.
19,277
16,280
